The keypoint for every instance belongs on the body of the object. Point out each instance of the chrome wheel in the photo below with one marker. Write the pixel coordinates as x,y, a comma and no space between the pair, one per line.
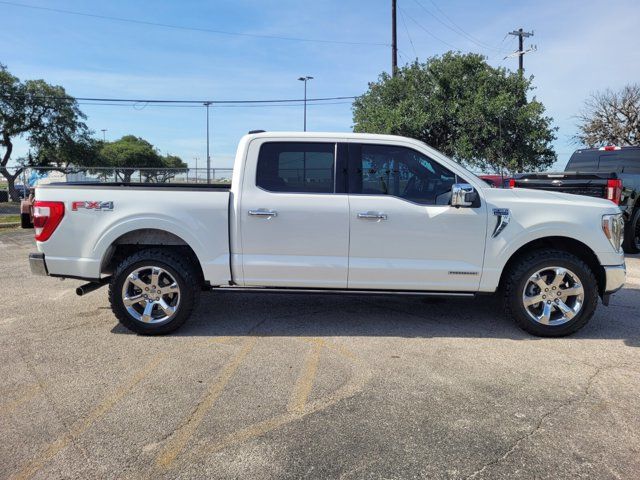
151,295
553,296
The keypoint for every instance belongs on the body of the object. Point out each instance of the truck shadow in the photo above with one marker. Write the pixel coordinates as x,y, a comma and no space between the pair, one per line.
304,315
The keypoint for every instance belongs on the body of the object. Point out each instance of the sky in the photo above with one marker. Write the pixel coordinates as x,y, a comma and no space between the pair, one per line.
582,47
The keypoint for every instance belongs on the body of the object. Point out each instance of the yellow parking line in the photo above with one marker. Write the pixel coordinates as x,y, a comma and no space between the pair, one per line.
81,425
350,389
178,441
304,384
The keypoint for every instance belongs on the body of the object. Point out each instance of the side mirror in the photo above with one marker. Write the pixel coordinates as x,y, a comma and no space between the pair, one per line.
463,195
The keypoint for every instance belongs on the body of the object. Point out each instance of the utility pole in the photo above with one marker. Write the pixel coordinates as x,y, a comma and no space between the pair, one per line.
394,39
206,104
521,34
305,80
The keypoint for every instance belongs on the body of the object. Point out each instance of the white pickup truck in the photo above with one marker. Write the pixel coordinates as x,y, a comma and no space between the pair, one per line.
330,213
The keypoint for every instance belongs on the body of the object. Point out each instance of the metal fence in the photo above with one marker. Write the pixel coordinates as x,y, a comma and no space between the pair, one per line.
32,176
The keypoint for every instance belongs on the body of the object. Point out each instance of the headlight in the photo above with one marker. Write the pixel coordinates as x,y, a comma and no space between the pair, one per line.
613,228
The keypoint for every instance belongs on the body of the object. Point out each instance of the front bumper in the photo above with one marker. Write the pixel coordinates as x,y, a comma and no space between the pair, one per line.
37,264
615,276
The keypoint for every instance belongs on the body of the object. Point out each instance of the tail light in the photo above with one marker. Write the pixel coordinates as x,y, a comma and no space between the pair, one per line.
46,218
512,183
614,190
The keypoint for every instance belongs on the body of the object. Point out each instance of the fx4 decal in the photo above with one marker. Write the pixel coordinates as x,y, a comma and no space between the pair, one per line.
91,205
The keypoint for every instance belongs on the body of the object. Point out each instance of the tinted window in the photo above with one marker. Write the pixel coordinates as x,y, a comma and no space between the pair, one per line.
296,167
399,171
627,161
631,162
584,161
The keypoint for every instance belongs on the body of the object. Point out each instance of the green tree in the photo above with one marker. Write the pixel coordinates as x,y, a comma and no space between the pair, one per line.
459,104
44,115
129,154
173,165
81,151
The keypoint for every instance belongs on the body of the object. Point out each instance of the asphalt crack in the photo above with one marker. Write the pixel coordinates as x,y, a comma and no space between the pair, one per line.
576,399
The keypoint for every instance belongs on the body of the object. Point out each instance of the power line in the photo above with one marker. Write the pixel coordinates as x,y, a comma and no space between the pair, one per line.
461,30
427,31
193,102
183,27
133,105
408,34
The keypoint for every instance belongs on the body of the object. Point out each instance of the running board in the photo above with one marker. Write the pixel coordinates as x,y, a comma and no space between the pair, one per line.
340,291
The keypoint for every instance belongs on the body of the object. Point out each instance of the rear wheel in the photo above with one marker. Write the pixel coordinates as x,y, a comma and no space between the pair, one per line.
550,293
153,291
631,243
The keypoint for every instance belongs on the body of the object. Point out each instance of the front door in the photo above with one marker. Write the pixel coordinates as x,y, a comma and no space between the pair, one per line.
404,233
294,227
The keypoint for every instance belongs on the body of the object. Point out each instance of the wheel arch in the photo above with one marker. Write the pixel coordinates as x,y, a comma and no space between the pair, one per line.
142,238
567,244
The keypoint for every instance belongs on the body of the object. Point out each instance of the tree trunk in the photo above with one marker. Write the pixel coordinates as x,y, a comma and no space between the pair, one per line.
11,183
11,179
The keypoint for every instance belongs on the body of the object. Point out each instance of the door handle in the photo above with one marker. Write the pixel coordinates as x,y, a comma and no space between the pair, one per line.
261,212
372,216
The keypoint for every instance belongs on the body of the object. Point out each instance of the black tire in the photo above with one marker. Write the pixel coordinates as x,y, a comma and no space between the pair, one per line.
178,267
631,242
517,278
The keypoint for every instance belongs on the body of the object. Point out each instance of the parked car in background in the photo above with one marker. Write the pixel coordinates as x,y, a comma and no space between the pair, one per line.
332,213
607,172
497,181
23,191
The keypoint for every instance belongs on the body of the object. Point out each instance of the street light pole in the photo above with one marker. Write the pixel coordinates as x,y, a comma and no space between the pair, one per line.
206,104
305,80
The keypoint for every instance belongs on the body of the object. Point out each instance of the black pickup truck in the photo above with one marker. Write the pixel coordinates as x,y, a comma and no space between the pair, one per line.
607,172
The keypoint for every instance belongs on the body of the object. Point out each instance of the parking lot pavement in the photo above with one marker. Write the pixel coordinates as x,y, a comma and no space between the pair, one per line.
291,386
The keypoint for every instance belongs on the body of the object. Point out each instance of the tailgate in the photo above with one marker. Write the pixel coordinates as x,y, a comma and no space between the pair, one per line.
589,184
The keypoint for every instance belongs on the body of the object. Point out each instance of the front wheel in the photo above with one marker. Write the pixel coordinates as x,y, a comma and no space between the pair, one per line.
154,291
550,293
631,243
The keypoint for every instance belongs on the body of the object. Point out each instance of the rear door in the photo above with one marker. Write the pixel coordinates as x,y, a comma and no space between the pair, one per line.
294,221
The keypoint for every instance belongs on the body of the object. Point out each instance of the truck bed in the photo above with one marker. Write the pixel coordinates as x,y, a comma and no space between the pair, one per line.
97,215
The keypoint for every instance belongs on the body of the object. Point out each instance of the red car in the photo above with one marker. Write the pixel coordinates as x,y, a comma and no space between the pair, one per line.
497,181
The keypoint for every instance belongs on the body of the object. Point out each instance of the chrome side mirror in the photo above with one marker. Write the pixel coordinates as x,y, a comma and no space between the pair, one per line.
463,195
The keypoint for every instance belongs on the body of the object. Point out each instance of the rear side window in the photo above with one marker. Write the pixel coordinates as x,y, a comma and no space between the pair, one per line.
296,167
